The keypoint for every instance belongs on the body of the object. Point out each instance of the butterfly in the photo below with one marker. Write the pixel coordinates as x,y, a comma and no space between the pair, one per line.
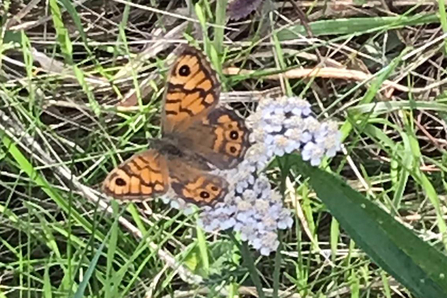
198,136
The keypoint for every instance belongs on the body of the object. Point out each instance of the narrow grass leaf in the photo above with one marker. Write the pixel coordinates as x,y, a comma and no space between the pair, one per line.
62,33
356,26
221,9
385,107
91,268
203,251
111,253
371,93
443,20
47,292
76,19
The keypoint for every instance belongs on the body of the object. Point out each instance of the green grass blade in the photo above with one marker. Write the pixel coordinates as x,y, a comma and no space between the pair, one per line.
83,284
356,26
221,9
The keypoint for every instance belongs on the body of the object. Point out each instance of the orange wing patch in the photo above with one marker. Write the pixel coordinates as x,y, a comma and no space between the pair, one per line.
205,190
230,136
140,177
192,90
194,185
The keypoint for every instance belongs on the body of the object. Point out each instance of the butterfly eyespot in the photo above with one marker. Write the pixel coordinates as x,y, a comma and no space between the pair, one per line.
204,194
184,71
234,135
233,149
214,188
120,182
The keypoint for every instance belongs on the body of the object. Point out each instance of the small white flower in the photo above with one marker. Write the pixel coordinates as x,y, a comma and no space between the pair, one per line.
294,122
177,204
265,102
230,210
207,209
332,126
313,153
227,224
243,217
256,242
332,144
269,141
231,198
275,210
312,124
284,104
257,157
285,219
275,118
253,120
265,194
272,128
300,107
322,132
241,186
249,196
248,231
284,145
261,207
266,224
275,197
258,135
261,183
256,151
297,135
208,223
244,206
269,243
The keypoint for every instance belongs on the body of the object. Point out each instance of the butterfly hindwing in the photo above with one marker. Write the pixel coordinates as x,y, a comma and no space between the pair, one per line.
221,137
195,185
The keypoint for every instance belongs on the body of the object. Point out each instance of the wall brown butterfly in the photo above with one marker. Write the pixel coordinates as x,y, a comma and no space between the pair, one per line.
197,136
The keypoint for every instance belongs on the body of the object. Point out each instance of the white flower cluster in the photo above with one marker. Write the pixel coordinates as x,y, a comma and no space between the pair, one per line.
251,206
286,125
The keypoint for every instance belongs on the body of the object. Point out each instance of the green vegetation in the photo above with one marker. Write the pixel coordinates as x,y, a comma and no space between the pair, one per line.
80,89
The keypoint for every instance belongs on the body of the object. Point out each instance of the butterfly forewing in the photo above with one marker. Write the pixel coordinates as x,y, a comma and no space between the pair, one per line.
192,91
140,177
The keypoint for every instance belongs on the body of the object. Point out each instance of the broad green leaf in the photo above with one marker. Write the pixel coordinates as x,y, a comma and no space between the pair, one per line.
413,262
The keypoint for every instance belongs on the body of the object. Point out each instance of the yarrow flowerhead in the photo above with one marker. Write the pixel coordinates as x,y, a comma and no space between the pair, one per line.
287,124
252,207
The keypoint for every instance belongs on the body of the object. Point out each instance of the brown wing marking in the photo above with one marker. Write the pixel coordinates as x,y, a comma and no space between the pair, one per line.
221,137
194,185
192,90
140,177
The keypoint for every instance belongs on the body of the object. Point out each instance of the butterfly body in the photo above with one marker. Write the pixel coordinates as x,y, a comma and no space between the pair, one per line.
173,148
197,136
